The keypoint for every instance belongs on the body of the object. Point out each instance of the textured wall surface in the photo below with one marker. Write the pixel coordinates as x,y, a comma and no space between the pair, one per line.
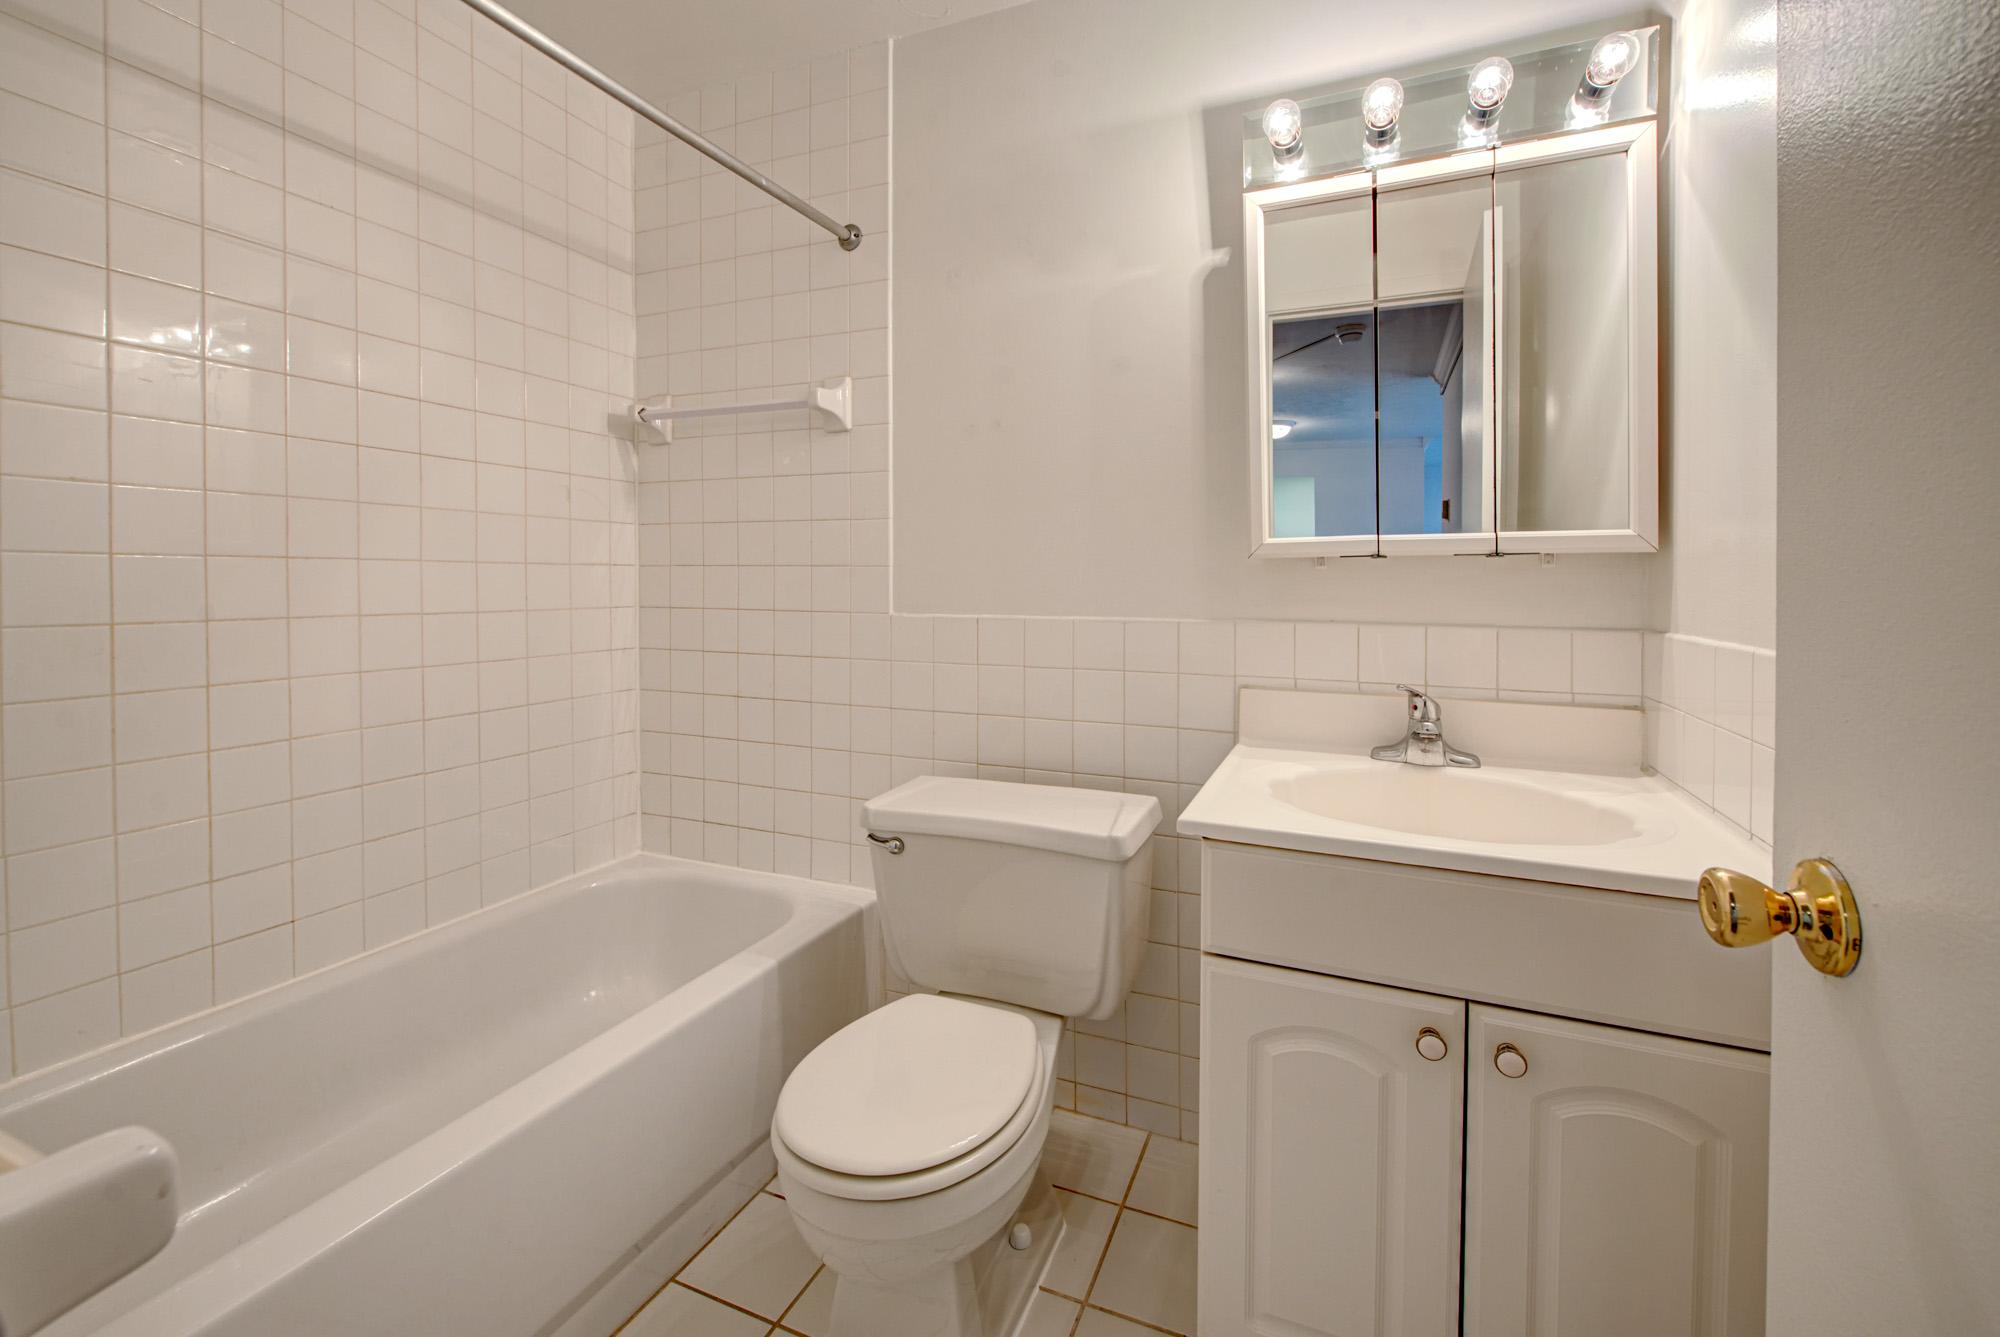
1890,630
316,597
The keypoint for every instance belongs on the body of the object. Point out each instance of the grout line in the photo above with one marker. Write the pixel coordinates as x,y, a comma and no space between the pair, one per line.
786,1312
731,1304
690,1262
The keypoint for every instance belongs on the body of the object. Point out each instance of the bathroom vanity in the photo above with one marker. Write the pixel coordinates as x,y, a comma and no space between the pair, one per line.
1466,1049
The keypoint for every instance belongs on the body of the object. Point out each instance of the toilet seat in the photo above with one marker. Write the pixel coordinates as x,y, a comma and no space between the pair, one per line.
853,1106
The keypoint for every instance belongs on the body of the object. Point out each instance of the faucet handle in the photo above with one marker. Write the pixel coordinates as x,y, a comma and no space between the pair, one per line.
1422,707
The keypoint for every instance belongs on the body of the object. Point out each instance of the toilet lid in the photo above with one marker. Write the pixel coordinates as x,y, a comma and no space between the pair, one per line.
913,1085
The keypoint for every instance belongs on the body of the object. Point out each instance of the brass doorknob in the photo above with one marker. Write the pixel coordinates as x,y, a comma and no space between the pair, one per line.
1817,909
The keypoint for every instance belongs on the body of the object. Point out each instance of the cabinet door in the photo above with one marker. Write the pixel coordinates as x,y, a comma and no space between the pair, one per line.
1329,1157
1616,1186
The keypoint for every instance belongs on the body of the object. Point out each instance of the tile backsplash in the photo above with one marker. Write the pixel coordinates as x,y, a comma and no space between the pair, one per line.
1711,724
318,574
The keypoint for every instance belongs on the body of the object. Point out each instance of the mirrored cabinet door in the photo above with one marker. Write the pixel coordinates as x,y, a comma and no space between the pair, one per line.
1460,356
1318,369
1566,363
1434,364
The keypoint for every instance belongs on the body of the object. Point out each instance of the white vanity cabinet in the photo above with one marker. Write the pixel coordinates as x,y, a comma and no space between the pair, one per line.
1616,1186
1335,1192
1611,1178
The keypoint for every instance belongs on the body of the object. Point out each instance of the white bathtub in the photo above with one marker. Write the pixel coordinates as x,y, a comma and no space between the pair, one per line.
519,1123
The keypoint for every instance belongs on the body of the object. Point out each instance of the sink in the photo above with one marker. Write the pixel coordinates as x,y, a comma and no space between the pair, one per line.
1453,804
1561,796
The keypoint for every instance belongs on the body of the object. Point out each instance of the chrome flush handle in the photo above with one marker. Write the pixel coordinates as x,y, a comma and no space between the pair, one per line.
893,844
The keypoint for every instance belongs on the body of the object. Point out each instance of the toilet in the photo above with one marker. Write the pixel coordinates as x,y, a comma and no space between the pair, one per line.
909,1143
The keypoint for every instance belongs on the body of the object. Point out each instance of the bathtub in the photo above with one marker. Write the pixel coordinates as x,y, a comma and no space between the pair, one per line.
522,1122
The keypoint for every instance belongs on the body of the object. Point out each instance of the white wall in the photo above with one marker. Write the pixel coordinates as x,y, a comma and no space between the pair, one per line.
316,597
1711,700
1719,177
1070,347
1889,616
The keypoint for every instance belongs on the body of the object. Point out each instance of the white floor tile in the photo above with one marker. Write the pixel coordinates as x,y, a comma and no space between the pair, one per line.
1091,1156
1097,1323
1166,1182
1149,1272
811,1315
1088,1224
1049,1316
758,1262
679,1312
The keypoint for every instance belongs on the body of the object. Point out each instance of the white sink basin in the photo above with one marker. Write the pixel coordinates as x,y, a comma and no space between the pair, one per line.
1561,797
1453,804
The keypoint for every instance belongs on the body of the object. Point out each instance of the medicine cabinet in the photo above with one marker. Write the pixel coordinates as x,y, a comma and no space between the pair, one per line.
1459,355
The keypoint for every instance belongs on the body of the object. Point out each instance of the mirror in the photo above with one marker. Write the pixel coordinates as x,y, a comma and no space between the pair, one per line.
1323,425
1459,356
1567,349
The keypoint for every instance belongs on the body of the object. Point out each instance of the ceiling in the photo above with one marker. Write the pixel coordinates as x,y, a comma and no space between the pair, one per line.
659,48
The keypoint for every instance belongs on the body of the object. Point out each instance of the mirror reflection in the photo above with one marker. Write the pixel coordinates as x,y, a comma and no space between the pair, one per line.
1323,425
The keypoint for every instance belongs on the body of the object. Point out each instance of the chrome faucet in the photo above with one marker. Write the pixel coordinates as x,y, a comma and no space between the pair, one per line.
1424,744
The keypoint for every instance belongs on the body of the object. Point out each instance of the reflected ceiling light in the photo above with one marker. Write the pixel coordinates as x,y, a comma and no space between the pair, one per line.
1281,428
1285,127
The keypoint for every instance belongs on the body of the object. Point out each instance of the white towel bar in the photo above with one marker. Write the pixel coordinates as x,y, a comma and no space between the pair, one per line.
835,399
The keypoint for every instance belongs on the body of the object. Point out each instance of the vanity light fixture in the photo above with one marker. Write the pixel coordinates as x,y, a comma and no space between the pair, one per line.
1615,56
1487,88
1285,127
1381,109
1281,428
1485,91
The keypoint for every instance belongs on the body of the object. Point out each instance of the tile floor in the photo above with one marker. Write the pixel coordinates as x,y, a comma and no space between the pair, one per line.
1126,1267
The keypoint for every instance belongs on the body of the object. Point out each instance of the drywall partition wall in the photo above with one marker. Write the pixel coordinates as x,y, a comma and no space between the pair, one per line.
1718,576
316,599
1711,671
1070,375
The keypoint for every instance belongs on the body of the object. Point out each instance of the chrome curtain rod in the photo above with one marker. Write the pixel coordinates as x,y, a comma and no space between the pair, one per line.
847,234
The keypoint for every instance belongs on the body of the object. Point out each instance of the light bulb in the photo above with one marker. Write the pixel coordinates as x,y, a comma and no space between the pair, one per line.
1381,104
1281,428
1487,88
1284,126
1611,59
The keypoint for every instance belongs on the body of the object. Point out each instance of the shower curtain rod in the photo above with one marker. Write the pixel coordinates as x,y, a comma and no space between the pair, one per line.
847,234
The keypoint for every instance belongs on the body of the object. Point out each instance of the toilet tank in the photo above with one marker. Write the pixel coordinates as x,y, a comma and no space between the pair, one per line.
1035,895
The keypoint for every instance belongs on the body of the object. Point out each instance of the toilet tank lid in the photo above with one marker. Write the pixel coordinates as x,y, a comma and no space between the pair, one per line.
1094,823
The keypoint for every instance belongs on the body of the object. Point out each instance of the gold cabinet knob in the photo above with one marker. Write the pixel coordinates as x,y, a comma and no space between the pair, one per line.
1817,909
1510,1061
1431,1045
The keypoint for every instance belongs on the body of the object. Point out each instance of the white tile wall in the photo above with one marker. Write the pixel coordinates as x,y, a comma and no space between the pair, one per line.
779,689
317,541
1711,724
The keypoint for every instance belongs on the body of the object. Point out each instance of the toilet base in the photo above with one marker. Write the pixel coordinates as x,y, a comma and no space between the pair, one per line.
984,1294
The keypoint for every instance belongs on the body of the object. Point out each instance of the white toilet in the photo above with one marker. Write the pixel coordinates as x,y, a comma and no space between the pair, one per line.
909,1143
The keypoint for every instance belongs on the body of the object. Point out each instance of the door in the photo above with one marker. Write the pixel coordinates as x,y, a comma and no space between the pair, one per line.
1885,1213
1330,1156
1614,1182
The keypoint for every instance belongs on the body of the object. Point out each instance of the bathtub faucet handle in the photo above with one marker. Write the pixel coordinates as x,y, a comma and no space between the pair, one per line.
894,844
